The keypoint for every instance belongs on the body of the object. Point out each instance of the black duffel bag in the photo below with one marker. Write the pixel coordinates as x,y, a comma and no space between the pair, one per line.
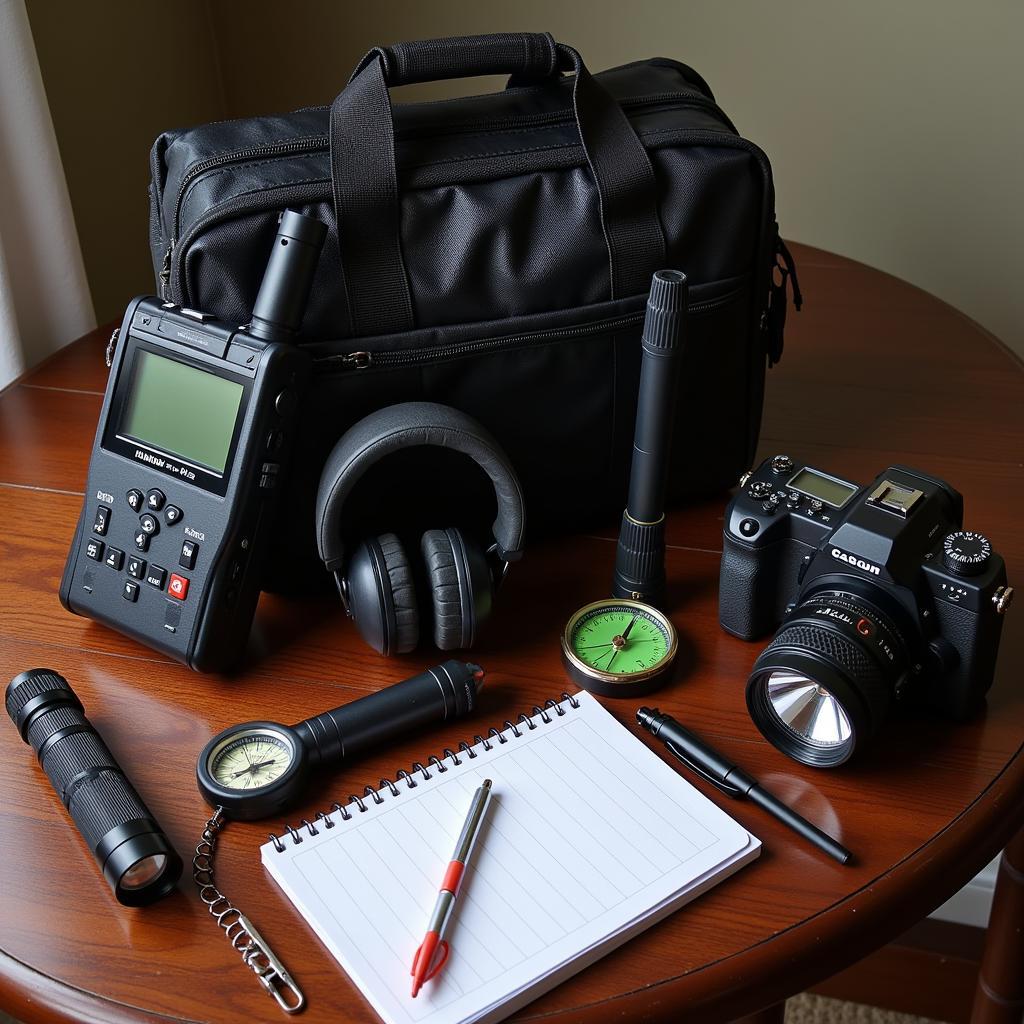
494,253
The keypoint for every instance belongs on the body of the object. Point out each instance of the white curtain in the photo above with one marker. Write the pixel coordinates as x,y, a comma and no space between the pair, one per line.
44,297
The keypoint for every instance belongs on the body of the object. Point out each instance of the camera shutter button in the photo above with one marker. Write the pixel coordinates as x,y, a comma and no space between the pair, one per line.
782,464
966,553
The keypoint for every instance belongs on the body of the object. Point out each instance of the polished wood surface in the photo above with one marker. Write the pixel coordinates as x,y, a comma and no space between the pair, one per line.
875,372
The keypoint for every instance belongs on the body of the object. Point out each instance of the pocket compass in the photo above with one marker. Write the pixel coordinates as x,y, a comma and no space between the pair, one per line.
619,648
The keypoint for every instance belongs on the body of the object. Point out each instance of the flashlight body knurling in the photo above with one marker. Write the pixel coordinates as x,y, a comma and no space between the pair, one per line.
110,815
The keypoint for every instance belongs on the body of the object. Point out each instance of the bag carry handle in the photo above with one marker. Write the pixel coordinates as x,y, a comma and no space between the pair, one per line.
365,181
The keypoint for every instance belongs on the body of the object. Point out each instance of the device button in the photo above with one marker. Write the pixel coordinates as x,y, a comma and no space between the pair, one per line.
141,539
94,550
189,553
235,572
172,515
155,499
156,577
135,499
274,441
136,567
149,524
130,590
793,499
194,314
102,520
178,587
748,527
782,464
769,506
760,489
115,558
814,505
285,402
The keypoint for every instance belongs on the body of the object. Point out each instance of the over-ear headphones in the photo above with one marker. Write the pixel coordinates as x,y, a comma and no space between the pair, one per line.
377,583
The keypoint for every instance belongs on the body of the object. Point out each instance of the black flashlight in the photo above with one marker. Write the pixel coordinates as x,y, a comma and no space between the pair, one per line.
130,847
640,556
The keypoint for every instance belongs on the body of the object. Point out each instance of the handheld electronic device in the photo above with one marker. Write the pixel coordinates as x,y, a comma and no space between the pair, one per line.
192,445
134,854
256,769
881,595
640,554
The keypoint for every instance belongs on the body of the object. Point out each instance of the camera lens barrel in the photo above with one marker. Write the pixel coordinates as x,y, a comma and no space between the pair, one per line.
824,684
135,856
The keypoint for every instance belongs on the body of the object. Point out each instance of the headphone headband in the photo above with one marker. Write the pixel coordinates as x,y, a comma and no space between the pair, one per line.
406,426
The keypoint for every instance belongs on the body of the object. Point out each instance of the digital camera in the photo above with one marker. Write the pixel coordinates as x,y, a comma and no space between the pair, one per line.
878,595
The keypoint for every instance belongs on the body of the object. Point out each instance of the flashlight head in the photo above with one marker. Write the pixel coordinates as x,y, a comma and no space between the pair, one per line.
135,856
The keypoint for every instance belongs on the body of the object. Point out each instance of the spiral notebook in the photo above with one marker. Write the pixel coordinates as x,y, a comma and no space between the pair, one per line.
589,839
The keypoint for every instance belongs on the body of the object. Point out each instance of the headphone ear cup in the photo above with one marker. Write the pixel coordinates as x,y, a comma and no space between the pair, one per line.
460,587
382,595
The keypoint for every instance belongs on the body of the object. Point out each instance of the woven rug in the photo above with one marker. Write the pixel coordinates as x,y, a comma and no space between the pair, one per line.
808,1009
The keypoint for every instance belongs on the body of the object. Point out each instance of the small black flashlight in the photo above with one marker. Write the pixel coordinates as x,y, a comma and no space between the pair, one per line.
130,847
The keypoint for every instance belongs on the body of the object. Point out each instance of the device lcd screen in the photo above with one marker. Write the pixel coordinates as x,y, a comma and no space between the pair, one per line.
824,488
181,410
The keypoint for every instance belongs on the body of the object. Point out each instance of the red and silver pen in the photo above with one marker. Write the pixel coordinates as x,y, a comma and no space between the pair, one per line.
433,950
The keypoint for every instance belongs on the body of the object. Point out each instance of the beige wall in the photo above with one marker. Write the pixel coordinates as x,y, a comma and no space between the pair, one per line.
894,128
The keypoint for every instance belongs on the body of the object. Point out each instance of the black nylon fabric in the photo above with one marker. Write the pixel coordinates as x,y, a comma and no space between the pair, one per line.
517,319
364,177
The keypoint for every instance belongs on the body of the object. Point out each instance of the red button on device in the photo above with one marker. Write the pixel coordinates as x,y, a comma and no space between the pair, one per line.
178,587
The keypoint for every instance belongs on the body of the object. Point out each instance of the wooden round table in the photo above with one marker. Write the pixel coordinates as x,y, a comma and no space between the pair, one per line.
875,372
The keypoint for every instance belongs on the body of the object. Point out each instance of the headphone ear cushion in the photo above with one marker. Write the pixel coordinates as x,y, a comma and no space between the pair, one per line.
460,587
382,595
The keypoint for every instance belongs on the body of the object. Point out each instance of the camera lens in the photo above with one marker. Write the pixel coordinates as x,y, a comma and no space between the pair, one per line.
822,687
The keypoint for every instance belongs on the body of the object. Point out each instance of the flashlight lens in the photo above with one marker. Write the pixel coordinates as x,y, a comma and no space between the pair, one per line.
808,709
144,872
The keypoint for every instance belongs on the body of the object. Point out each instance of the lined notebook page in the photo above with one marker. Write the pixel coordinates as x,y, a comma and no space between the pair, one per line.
589,838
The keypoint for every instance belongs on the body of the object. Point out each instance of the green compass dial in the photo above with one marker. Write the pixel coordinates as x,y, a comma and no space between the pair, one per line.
618,647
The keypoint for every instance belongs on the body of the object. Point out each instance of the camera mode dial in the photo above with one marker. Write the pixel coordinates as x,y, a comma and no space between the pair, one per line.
966,552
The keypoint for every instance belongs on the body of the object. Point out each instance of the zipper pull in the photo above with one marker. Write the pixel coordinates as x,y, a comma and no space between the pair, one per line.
165,272
350,360
773,320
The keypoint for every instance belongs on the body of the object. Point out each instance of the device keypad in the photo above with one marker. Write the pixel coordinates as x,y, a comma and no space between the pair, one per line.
147,504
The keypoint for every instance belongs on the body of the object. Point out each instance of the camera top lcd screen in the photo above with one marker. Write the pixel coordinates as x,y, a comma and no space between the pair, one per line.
181,410
824,488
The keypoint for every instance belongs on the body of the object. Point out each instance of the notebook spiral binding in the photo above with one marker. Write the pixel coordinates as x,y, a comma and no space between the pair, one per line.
391,787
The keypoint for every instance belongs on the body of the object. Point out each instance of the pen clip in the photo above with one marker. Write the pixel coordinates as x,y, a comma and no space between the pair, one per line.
727,788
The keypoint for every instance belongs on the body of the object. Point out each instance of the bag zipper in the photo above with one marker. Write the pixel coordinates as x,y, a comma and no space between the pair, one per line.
321,143
315,191
363,360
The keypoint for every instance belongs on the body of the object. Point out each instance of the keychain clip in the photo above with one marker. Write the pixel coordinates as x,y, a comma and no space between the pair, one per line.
274,977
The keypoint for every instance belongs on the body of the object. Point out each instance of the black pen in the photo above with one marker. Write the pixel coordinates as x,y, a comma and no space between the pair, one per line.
732,780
